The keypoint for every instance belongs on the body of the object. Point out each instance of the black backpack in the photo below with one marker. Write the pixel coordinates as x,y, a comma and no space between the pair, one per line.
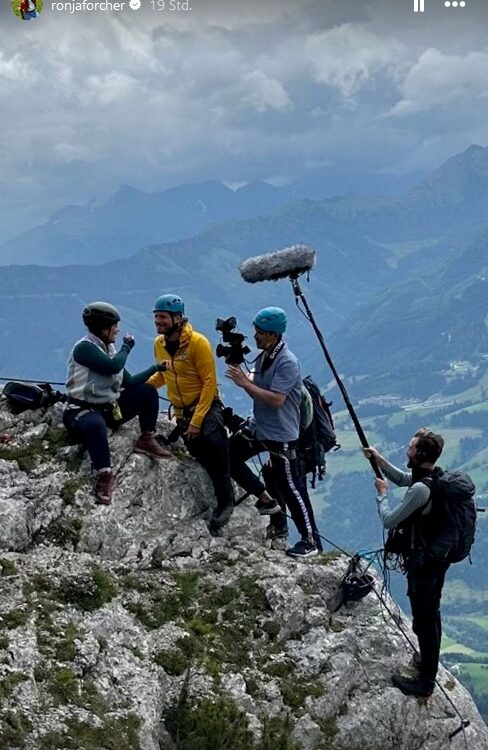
451,523
319,437
23,396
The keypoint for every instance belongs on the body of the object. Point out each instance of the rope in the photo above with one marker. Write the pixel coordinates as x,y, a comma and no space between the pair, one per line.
39,380
375,556
397,620
52,382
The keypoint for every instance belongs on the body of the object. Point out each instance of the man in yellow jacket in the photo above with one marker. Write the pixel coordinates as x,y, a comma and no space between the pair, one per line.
191,382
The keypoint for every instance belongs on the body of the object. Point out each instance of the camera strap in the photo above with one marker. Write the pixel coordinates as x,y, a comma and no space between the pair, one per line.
268,359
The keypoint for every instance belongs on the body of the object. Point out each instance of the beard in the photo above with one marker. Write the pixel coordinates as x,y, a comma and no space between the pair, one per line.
412,464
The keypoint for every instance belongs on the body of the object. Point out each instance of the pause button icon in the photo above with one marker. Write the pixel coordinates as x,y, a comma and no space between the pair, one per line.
418,6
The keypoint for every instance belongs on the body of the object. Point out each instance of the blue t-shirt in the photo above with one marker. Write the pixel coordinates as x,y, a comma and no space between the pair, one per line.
282,376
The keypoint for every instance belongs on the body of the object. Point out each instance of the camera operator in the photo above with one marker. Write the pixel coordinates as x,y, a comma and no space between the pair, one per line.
276,393
191,383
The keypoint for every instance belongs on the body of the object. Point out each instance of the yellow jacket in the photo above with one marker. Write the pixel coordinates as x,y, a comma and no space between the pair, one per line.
192,381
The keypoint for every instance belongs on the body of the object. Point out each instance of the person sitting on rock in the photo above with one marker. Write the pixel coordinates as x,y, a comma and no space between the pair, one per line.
191,382
101,394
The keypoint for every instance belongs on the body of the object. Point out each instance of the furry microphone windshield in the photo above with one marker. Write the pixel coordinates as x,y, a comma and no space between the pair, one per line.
290,262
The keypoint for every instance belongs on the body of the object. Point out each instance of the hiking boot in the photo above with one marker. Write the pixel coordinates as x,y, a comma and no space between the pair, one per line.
215,529
413,685
302,549
267,508
222,516
149,446
104,483
276,531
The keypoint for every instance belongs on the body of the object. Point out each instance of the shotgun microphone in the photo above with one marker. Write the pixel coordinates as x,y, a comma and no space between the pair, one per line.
289,262
292,262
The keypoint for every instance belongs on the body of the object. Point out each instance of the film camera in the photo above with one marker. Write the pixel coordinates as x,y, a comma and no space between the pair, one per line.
234,353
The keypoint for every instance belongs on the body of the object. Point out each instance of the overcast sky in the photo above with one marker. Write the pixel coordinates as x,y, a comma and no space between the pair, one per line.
233,91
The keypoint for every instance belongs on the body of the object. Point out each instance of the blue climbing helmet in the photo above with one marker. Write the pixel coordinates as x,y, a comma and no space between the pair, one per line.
170,303
272,319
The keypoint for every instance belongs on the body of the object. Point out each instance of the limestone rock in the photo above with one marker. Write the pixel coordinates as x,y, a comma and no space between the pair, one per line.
122,626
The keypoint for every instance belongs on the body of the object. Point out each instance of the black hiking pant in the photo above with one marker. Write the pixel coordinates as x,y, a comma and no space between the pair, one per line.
285,477
211,450
278,521
425,584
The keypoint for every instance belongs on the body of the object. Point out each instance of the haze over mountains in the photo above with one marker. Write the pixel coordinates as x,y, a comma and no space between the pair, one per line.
132,219
385,265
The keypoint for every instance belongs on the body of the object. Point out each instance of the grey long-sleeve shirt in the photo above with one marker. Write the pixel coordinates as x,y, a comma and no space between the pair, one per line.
417,496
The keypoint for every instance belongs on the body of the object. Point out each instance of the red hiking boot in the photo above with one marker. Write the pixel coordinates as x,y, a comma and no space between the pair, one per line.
149,446
104,484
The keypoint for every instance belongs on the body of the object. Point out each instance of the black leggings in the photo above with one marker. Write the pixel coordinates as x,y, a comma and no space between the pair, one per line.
90,426
285,476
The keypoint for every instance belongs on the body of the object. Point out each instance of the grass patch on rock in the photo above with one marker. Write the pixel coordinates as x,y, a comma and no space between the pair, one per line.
49,446
295,690
63,532
54,641
14,728
156,606
14,619
329,730
112,734
25,455
8,568
208,725
71,487
219,724
173,662
66,688
221,621
90,592
9,683
277,734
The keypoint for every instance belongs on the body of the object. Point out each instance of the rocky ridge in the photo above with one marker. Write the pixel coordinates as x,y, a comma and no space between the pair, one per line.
130,627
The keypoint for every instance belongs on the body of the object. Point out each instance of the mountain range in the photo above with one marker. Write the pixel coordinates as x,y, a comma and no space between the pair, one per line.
399,285
131,219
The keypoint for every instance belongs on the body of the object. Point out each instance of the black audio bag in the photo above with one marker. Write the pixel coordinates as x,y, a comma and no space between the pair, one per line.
446,533
452,519
23,396
319,437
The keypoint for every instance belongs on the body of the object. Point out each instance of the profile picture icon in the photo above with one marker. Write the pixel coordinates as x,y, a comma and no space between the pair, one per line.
26,9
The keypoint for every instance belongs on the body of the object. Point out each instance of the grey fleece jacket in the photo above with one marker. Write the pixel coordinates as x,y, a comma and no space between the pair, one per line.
417,496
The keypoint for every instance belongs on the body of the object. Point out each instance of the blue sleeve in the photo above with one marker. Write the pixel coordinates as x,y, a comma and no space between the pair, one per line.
285,377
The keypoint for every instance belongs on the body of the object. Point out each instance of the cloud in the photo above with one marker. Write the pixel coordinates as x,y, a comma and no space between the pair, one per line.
16,68
231,91
349,56
439,79
108,88
264,93
69,152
